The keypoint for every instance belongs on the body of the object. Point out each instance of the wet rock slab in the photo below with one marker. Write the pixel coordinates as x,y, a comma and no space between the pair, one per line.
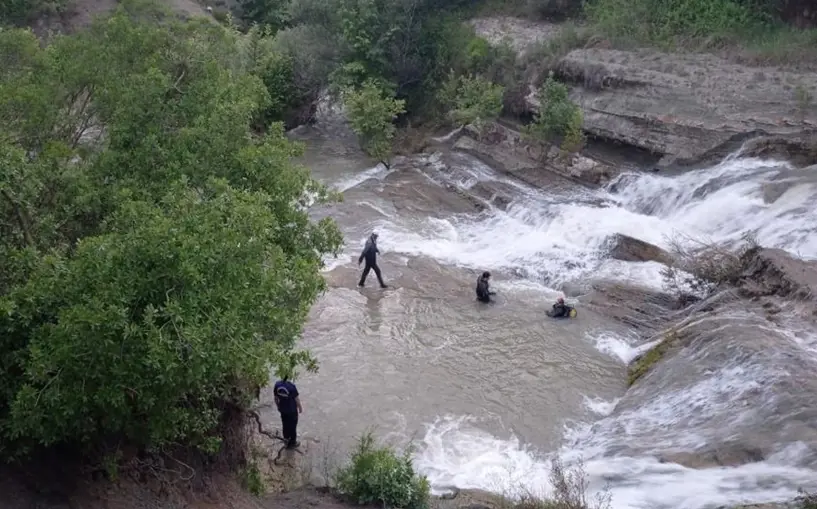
541,166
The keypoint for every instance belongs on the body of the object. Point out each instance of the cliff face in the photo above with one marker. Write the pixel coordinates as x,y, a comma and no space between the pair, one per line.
686,107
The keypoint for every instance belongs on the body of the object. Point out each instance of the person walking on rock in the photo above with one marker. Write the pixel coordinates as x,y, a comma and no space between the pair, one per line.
369,254
288,402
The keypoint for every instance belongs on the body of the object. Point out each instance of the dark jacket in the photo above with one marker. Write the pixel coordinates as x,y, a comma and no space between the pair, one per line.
483,290
561,309
370,252
286,395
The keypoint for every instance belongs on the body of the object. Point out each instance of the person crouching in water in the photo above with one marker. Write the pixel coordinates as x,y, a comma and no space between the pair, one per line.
484,291
560,309
288,402
369,254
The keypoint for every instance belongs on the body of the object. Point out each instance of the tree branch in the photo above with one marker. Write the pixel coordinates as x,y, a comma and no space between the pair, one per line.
21,219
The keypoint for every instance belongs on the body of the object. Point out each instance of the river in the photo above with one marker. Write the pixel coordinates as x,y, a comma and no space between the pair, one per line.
488,392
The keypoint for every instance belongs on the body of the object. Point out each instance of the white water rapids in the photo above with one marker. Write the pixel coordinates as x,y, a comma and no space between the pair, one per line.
552,240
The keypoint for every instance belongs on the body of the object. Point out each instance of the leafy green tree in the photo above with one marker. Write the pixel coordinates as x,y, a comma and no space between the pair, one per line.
472,100
159,258
372,113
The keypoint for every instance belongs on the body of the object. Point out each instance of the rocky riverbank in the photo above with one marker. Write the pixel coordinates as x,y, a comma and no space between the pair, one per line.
687,109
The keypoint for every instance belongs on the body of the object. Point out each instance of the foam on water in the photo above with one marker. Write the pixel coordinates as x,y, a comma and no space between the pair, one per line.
600,406
619,347
566,237
378,172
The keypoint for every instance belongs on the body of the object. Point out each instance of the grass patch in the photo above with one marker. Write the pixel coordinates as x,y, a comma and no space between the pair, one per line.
737,28
251,479
641,365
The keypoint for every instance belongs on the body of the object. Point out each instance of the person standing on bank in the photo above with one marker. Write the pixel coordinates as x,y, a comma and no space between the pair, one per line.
369,254
288,402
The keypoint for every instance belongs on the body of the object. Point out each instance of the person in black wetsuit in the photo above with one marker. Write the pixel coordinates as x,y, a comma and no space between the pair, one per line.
483,287
369,254
560,309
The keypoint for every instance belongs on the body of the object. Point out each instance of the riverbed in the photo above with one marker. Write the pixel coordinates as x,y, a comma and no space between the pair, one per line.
487,392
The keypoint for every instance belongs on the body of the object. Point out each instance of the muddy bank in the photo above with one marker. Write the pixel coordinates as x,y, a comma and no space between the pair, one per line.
145,482
686,108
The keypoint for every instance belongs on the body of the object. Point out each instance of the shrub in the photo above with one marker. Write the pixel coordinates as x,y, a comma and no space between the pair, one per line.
472,100
700,268
372,113
558,117
569,491
379,475
806,500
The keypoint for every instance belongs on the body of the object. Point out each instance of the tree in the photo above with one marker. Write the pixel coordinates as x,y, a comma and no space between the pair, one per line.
372,113
472,100
159,258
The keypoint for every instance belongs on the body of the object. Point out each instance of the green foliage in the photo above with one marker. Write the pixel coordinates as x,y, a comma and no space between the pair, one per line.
271,14
372,112
19,12
472,99
378,475
252,480
158,255
558,116
665,21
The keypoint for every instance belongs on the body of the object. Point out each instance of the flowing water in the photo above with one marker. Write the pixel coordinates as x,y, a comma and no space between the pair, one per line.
489,392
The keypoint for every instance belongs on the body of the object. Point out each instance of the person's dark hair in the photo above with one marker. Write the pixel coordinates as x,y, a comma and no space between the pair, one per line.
486,275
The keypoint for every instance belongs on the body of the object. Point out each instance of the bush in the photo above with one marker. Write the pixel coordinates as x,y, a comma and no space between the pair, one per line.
472,100
382,476
558,117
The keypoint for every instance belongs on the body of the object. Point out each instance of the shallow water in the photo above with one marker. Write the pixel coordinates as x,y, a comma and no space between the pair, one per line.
487,392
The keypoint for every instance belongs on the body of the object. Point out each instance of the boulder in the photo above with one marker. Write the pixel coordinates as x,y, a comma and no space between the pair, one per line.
800,149
686,107
630,249
774,272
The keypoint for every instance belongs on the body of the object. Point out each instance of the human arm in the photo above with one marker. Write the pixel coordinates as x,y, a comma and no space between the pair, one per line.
298,404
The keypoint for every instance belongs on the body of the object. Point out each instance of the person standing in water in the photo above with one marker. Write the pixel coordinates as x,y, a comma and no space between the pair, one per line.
560,309
288,402
369,254
483,287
